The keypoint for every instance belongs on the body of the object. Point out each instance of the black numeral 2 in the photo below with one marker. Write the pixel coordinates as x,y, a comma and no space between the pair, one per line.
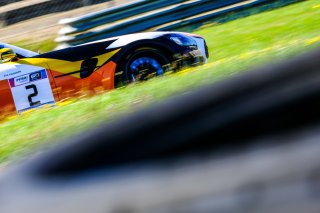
34,94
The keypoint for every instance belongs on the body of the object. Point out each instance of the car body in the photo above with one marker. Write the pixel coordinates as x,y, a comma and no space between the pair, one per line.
33,80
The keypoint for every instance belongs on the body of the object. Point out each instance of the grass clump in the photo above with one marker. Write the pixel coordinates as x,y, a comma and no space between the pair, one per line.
234,47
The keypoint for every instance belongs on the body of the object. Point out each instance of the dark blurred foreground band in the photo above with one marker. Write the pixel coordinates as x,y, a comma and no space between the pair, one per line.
247,144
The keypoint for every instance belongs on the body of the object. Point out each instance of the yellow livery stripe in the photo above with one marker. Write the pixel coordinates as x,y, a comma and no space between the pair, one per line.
63,66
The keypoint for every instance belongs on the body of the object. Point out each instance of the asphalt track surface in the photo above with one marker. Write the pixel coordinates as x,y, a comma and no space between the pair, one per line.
46,27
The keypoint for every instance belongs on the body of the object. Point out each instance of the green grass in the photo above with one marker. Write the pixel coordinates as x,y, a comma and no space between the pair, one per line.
36,46
234,47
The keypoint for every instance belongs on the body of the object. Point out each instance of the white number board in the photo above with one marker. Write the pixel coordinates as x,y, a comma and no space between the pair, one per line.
31,90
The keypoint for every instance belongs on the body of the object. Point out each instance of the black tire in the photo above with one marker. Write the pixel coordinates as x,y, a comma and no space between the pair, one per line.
141,64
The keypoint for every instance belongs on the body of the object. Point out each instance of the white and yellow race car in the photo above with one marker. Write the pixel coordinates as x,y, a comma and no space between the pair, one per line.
29,79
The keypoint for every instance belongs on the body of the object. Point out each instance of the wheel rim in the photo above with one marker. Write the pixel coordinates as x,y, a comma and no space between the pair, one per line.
143,68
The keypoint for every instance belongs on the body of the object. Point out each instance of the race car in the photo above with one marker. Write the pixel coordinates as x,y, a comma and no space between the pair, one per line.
29,79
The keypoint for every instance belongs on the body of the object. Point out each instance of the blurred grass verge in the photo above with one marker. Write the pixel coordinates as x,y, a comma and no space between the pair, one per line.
42,46
234,47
